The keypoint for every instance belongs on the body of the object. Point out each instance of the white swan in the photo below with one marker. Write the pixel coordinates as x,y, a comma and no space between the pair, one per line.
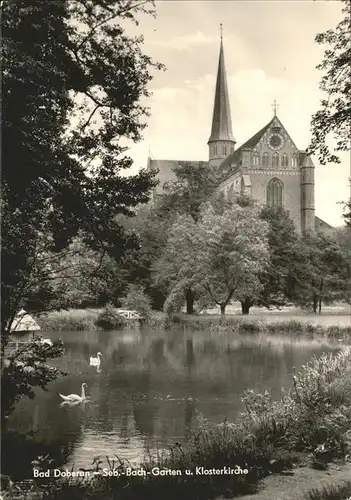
96,361
75,398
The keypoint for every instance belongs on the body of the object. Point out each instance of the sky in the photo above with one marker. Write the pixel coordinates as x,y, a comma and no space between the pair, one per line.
270,53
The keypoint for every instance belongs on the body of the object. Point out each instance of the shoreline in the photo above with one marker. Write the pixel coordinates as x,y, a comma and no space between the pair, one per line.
312,326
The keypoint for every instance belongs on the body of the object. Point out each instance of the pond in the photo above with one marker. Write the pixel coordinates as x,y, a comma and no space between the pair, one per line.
149,389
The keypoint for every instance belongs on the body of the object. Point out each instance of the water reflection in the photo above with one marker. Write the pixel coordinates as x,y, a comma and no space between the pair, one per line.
148,388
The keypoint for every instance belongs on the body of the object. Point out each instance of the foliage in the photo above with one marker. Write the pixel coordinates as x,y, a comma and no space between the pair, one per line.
109,319
331,492
334,117
321,272
277,279
71,320
194,185
24,369
347,213
136,299
73,82
283,244
151,229
221,256
343,237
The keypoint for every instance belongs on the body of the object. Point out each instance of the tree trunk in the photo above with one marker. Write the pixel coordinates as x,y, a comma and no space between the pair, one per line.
245,306
223,306
320,297
315,302
189,297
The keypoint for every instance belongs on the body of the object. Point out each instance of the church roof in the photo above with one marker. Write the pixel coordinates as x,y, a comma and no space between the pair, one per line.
166,169
221,120
322,226
233,158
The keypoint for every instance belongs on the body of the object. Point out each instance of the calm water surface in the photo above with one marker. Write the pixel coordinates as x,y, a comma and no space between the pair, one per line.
150,388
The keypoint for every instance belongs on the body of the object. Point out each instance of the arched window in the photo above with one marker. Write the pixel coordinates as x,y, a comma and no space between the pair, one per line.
294,161
224,150
275,193
214,150
232,149
275,160
285,160
256,159
265,160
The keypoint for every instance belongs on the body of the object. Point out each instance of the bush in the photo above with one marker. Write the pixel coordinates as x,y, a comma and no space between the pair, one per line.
249,328
71,320
109,319
341,491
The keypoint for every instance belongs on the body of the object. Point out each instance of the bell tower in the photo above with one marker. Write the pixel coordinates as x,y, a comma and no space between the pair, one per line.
221,142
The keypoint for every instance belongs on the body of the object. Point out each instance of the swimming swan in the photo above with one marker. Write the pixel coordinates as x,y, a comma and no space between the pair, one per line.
75,398
96,361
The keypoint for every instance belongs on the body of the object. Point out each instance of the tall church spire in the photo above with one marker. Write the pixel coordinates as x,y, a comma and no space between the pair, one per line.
221,142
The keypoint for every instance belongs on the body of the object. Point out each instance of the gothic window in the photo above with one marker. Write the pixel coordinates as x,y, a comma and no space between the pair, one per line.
285,160
256,159
294,161
265,160
275,160
214,150
275,193
225,150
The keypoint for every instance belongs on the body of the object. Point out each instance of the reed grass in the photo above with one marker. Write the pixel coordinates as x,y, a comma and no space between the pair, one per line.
245,325
332,492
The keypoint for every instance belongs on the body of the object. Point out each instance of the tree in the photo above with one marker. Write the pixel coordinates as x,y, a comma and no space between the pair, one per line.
334,117
136,299
72,84
175,269
343,237
24,369
347,212
151,228
194,185
222,255
321,271
279,278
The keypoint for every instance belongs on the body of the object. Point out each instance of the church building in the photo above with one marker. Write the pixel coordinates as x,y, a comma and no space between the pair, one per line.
268,166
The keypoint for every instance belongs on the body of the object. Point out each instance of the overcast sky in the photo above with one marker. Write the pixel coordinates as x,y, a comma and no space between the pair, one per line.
269,52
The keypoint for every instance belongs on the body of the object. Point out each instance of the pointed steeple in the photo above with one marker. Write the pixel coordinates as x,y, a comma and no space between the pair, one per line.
221,141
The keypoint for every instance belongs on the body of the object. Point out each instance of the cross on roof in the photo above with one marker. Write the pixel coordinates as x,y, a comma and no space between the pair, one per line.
275,106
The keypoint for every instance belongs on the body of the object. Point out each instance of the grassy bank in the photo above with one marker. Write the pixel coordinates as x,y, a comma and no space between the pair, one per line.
97,319
310,425
247,325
